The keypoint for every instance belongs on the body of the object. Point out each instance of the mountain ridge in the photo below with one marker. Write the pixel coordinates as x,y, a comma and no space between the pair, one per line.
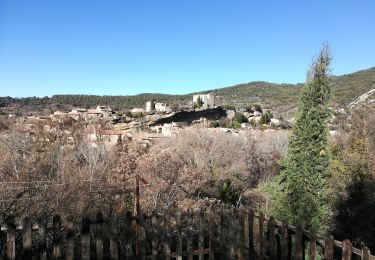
281,96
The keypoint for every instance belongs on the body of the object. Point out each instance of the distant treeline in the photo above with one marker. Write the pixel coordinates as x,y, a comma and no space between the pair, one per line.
86,101
283,97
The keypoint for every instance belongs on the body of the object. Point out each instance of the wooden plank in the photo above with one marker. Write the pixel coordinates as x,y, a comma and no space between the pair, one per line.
211,239
69,255
166,237
250,222
346,250
42,247
11,239
232,241
113,240
328,248
167,246
261,240
241,234
99,244
129,236
56,251
272,238
179,237
312,243
284,241
85,238
299,243
201,234
26,240
140,246
154,238
189,234
223,233
365,253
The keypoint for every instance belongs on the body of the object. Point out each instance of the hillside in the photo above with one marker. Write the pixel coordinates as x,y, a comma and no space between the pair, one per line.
282,97
345,89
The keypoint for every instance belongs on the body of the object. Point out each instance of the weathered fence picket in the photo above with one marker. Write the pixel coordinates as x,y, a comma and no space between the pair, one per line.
328,249
250,221
85,238
99,236
27,240
261,242
69,254
189,234
228,233
201,234
312,245
113,246
56,252
299,243
211,241
284,251
346,250
11,240
272,239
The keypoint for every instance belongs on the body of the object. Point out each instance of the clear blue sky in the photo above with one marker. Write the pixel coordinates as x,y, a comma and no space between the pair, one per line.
110,47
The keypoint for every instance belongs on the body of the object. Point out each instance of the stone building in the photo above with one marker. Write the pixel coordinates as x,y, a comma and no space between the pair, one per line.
207,100
156,106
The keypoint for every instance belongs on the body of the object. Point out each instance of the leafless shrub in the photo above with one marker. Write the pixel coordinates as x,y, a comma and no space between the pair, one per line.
206,166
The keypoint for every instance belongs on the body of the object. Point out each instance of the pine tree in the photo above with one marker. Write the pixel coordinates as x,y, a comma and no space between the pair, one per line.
302,194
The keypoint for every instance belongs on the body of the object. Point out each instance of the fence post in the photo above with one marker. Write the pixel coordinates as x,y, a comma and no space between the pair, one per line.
113,239
26,239
56,253
346,250
261,247
241,244
140,239
223,236
328,248
154,243
250,220
99,236
70,240
189,235
85,238
43,241
272,238
211,239
232,239
201,235
284,241
365,253
129,237
299,243
179,237
11,239
312,242
167,246
166,237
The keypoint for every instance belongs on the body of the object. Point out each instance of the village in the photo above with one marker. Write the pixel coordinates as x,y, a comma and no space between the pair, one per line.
156,120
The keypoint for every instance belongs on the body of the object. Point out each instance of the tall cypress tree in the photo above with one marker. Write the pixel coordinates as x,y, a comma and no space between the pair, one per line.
301,197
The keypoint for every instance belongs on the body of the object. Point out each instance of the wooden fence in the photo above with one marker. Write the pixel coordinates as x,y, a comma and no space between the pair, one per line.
225,233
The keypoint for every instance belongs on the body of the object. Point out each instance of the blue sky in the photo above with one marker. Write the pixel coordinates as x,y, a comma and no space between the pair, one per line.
174,46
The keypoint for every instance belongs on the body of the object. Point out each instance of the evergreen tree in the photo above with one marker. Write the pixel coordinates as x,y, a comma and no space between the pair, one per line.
302,181
152,104
198,103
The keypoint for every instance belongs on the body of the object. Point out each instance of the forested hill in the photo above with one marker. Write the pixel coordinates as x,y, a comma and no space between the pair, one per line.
283,97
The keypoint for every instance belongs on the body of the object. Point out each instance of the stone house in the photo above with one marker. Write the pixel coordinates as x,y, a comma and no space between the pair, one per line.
208,100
